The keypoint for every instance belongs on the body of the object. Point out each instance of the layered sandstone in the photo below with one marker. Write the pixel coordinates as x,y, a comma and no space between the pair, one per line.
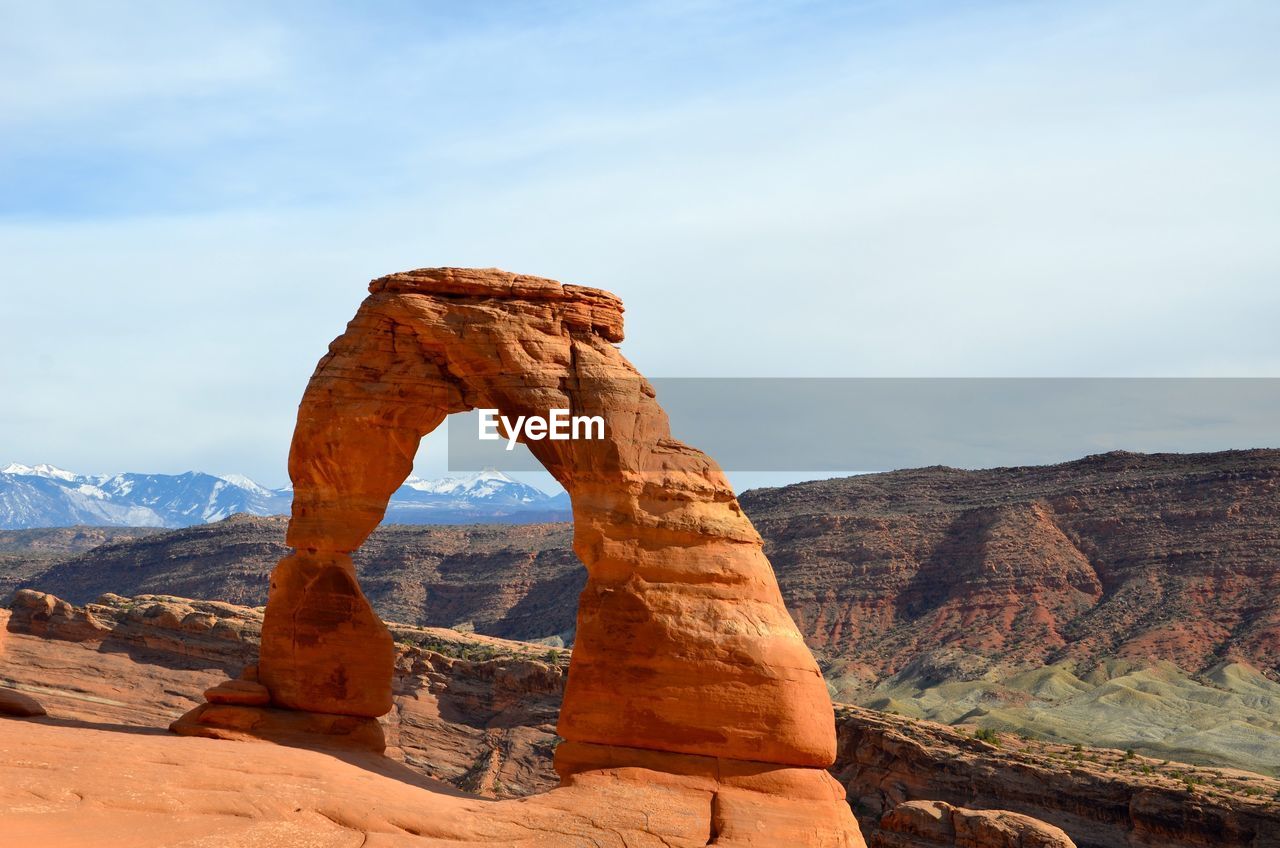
937,824
13,703
1102,798
480,713
1142,557
688,673
475,712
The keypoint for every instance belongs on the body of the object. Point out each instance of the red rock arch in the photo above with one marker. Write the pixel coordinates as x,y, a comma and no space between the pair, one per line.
683,643
693,715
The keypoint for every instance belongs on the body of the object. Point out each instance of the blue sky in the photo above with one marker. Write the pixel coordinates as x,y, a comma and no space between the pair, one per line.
192,196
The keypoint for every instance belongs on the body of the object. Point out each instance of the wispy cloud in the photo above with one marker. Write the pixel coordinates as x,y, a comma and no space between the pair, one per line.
192,194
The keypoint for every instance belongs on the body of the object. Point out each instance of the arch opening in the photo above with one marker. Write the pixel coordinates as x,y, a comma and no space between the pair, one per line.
683,645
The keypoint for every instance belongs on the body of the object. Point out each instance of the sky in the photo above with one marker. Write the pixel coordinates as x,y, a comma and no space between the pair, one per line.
193,196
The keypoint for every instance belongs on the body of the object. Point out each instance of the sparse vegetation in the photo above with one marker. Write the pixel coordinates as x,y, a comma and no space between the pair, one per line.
986,734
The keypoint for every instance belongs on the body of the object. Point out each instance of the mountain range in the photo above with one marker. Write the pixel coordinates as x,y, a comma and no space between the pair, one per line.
48,496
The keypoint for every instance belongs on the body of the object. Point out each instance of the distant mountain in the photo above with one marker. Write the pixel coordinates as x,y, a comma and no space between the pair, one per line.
484,496
47,496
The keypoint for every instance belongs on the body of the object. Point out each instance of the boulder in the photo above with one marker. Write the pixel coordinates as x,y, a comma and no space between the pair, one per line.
17,704
925,824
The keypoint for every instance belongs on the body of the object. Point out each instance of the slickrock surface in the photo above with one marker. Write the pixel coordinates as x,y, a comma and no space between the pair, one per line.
922,824
78,786
98,771
480,714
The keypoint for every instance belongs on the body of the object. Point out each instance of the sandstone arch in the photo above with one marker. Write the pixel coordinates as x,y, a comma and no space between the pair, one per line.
686,662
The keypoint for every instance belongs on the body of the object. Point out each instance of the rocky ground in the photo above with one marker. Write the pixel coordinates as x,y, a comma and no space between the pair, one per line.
474,711
1100,797
478,714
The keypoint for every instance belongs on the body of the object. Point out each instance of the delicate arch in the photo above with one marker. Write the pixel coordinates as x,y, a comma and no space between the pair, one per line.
683,643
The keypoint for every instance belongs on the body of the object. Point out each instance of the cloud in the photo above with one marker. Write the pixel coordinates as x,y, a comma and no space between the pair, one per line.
191,197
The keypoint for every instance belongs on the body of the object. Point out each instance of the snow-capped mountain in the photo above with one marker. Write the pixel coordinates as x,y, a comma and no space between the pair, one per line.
484,485
50,471
47,496
483,496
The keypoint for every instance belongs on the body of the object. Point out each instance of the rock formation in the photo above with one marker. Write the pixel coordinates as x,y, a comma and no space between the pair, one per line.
1138,556
925,824
476,712
687,674
17,704
1102,798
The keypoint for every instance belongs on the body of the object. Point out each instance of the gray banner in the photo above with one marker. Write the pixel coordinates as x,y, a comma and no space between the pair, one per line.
855,424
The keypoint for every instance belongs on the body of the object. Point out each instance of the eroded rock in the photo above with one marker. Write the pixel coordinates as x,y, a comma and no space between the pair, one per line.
17,704
687,670
924,824
242,693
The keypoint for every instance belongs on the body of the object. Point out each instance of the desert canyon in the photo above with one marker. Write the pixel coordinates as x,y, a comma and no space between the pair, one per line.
690,711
